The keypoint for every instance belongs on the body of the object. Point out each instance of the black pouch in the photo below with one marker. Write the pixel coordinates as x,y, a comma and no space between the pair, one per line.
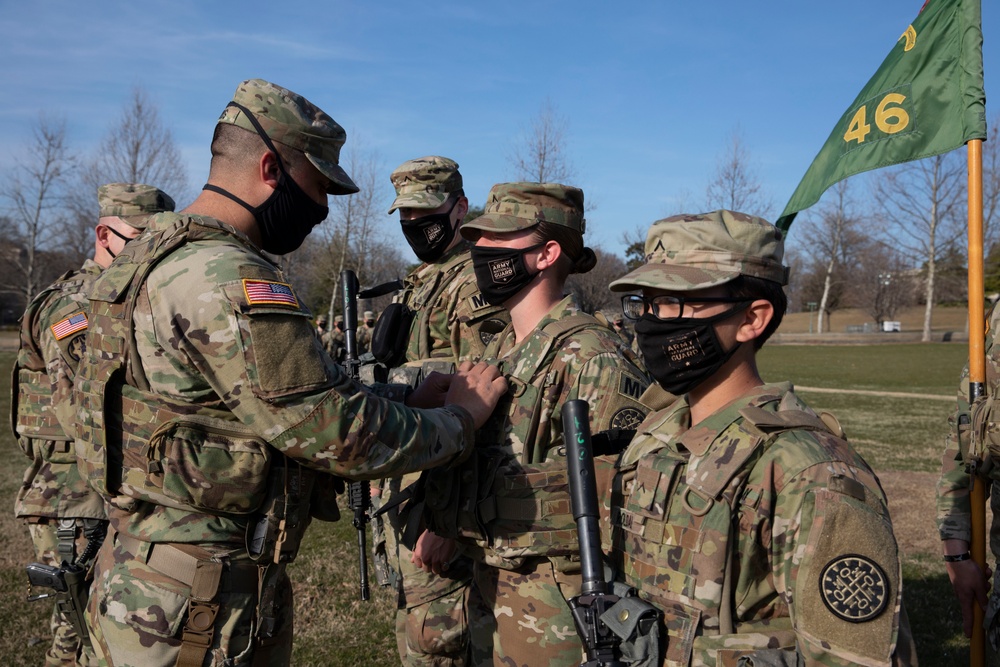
391,334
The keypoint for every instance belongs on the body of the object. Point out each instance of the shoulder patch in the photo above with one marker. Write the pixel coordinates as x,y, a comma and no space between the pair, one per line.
489,329
70,325
269,292
627,419
854,588
630,386
77,347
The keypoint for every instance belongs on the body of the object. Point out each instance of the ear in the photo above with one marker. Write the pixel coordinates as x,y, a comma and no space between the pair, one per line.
461,207
103,235
268,169
550,254
755,319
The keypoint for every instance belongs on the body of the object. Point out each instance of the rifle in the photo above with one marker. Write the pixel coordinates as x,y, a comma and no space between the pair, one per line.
69,582
595,597
359,493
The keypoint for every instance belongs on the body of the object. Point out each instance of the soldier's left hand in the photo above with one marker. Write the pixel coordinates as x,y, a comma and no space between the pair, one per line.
431,392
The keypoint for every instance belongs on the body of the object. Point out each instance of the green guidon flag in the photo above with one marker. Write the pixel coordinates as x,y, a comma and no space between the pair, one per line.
927,98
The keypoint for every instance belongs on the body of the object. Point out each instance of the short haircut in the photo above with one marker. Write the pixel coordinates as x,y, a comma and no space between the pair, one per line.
750,288
234,147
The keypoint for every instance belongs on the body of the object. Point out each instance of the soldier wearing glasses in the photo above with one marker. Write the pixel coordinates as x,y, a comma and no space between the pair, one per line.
738,511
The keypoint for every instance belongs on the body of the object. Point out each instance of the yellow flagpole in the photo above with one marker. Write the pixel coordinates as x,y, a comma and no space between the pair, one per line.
977,374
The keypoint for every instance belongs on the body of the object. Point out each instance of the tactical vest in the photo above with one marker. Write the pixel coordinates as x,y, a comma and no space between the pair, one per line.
137,446
420,299
516,507
31,414
669,562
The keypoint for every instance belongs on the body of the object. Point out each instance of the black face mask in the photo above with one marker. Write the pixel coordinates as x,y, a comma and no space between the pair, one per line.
429,235
289,214
501,272
682,353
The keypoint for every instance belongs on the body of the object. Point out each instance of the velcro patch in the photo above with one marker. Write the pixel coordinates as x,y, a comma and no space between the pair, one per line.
631,386
269,292
627,419
69,326
854,588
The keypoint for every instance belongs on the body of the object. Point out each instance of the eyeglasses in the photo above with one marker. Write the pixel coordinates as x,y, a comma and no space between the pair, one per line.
667,307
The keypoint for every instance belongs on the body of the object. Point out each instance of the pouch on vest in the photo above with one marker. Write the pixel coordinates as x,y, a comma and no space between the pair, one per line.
391,334
636,623
980,439
284,517
32,417
202,463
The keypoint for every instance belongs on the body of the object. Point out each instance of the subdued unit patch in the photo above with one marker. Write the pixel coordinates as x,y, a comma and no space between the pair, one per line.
854,588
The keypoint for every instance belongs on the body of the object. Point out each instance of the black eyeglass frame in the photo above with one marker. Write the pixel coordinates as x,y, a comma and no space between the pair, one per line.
651,304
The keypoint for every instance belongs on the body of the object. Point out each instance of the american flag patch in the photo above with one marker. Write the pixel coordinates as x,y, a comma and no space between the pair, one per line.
265,291
69,326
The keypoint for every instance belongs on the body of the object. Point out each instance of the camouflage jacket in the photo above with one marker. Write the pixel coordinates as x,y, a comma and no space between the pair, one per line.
450,311
759,529
954,511
511,498
221,387
52,335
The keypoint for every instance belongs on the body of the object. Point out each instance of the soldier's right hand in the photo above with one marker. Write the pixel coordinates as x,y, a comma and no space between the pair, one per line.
477,388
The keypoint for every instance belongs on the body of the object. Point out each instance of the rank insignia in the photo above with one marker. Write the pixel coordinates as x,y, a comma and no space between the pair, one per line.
854,588
267,292
69,326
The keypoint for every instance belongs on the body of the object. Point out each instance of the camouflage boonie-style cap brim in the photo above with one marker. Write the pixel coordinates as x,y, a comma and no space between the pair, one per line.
694,251
426,182
134,202
514,206
290,119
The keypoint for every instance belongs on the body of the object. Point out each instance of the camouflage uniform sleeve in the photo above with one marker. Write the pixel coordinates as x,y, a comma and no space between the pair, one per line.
831,535
209,337
611,386
954,512
62,357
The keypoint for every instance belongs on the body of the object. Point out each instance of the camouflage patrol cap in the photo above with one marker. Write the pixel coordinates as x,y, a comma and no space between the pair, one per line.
514,206
694,251
290,119
426,182
369,315
132,201
321,320
338,318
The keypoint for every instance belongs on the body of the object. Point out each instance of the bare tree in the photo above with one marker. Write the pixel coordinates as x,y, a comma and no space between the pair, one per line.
831,240
922,205
540,152
735,184
591,288
634,241
138,148
34,192
882,283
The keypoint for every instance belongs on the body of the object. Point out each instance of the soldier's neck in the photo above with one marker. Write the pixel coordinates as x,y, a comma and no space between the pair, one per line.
737,377
214,205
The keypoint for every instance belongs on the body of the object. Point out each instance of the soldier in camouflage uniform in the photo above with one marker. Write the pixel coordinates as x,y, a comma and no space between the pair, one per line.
743,515
335,340
447,328
509,505
365,330
972,429
208,406
61,511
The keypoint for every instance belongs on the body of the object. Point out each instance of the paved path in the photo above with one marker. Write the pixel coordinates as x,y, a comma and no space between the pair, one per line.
867,392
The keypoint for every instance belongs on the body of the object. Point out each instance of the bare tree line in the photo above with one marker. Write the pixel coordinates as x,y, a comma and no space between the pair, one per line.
889,242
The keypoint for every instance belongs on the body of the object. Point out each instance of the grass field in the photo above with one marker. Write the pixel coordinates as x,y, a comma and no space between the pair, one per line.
901,437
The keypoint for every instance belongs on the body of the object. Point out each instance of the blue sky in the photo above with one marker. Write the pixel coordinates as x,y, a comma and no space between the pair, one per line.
652,90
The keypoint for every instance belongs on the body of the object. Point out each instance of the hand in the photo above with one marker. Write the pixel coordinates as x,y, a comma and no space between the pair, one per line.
433,553
971,587
431,393
477,388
